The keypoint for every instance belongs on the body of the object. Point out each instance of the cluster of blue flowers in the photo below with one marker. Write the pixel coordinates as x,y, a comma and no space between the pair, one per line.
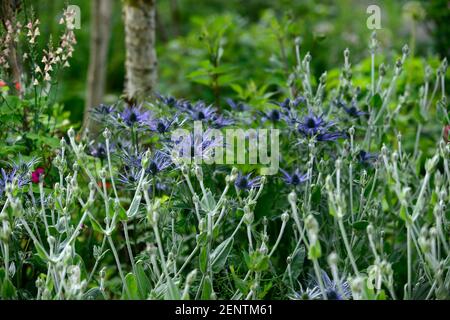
138,120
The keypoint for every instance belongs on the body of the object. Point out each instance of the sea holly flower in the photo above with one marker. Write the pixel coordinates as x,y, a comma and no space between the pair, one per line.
351,110
294,179
237,106
167,100
289,104
134,116
99,150
315,126
194,145
162,125
312,125
129,176
246,182
158,163
11,177
219,121
201,112
332,290
101,112
332,136
365,157
273,116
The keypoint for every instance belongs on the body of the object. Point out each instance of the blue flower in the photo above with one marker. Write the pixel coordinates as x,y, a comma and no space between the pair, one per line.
237,106
201,112
158,163
129,176
289,104
219,121
316,126
195,145
162,125
101,112
332,290
245,182
273,116
365,157
350,110
99,150
10,177
167,100
312,125
331,136
134,116
295,179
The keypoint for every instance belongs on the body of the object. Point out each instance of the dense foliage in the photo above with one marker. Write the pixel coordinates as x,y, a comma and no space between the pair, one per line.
358,210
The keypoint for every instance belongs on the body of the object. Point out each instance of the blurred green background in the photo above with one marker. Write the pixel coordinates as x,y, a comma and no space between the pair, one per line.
257,38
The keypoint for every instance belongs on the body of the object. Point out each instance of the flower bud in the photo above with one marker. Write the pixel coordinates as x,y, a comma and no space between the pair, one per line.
292,198
107,134
333,259
71,133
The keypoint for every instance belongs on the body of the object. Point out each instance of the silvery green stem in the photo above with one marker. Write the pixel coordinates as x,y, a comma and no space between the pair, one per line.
280,235
188,259
419,203
409,259
319,278
350,177
249,236
372,71
119,267
108,153
43,216
97,260
347,246
127,241
433,93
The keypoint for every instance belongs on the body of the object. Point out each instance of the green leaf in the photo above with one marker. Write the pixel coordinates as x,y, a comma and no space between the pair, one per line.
208,203
133,291
220,254
8,290
360,225
134,207
315,251
93,294
376,102
172,293
95,224
203,259
143,281
207,288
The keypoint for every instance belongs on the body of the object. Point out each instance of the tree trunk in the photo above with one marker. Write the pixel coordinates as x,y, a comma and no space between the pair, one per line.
141,62
99,42
8,10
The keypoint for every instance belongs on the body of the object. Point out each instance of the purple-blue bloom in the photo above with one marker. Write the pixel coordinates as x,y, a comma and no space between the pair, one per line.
245,182
352,110
295,178
101,112
365,157
158,163
134,116
316,126
237,106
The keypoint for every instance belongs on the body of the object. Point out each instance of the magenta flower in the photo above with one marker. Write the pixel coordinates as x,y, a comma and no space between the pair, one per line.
37,174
